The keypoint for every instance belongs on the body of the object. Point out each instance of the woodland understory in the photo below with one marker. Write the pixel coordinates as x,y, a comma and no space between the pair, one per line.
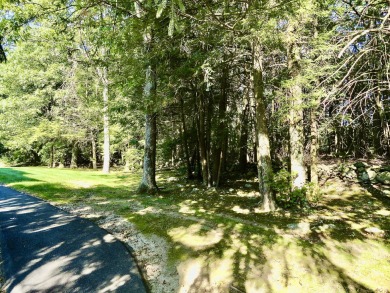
262,125
216,88
191,238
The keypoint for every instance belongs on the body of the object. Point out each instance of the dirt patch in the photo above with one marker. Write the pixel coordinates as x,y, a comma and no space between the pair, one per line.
151,252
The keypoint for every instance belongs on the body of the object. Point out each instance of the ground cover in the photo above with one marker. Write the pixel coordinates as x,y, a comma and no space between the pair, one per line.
192,239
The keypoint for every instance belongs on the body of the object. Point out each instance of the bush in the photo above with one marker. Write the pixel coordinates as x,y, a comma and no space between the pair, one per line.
281,186
133,159
287,198
313,194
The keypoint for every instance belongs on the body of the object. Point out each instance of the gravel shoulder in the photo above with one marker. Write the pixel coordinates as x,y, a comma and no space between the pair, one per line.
150,251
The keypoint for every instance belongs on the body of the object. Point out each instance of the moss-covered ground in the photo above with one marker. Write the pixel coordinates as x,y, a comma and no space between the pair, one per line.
220,241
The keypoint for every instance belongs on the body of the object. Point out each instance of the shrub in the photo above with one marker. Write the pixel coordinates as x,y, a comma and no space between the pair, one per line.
288,198
133,159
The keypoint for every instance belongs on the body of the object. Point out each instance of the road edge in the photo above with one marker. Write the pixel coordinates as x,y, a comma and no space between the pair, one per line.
2,275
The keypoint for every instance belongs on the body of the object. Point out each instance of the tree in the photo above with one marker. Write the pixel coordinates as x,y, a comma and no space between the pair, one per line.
264,164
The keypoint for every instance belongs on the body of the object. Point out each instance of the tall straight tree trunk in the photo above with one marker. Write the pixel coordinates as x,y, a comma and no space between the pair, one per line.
296,130
198,162
314,135
185,141
243,145
52,162
313,148
209,115
148,182
93,144
73,161
219,153
202,140
264,165
106,121
224,153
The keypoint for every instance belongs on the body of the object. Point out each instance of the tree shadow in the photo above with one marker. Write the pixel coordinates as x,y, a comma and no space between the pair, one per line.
222,243
242,261
47,250
10,175
261,253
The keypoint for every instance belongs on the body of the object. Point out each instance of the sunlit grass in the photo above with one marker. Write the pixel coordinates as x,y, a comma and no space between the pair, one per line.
219,241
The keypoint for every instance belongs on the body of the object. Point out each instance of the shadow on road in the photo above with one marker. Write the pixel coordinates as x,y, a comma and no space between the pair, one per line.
47,250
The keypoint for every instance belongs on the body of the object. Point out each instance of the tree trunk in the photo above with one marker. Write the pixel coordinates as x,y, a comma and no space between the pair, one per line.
73,161
198,164
102,72
209,115
219,153
52,162
243,144
296,121
185,141
381,128
93,144
264,165
313,148
202,141
148,183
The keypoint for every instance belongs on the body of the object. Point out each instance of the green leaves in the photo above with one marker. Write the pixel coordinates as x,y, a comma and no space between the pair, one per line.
3,57
173,17
161,7
180,5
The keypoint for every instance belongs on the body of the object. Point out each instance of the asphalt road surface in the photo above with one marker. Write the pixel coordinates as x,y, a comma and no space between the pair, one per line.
47,250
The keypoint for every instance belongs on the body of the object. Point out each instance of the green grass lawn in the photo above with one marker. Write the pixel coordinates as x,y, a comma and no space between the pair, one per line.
219,240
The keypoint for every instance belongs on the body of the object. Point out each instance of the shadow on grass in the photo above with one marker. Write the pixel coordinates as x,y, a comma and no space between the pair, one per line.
261,254
219,240
10,175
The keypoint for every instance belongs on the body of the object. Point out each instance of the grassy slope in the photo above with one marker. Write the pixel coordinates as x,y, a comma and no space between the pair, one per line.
218,238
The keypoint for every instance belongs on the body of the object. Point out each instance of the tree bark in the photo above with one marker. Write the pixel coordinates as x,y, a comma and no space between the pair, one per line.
185,141
106,121
208,115
296,121
243,145
313,148
264,165
52,162
93,144
73,161
148,183
219,153
202,141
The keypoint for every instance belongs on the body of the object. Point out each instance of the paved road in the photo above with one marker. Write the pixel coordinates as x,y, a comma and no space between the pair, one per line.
48,250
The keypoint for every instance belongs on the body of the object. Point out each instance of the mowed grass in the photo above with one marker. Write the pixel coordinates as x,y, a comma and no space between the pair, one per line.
66,186
219,240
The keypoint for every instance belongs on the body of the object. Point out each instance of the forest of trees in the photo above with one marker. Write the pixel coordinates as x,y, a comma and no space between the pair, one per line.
212,87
